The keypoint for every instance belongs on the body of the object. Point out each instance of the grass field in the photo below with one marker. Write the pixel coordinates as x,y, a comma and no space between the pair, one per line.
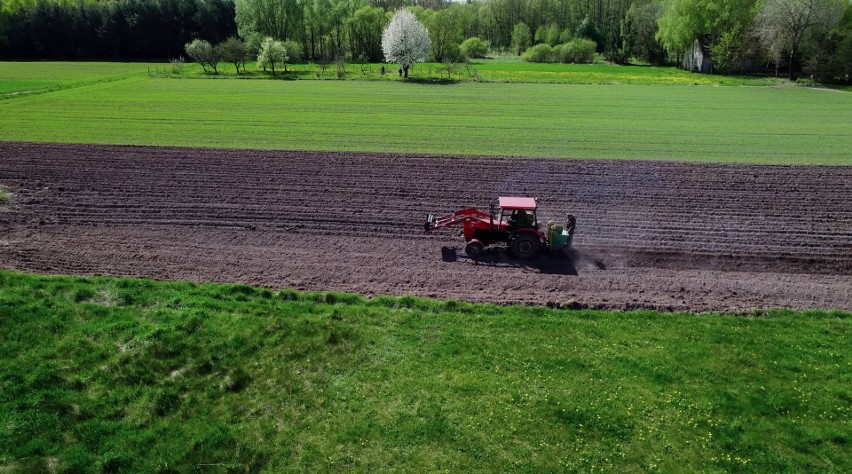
721,124
140,376
20,78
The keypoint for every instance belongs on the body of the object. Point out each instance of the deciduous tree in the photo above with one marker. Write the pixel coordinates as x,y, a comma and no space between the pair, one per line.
203,53
783,24
365,32
639,30
280,19
405,41
684,21
272,53
445,33
520,38
233,50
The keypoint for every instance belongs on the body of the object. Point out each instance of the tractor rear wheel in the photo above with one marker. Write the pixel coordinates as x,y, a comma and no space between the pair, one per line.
473,249
525,245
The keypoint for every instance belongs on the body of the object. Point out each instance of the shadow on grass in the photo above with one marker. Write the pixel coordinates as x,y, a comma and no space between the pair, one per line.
431,81
279,75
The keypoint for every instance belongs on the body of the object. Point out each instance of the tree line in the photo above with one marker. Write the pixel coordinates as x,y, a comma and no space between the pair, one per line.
793,36
110,29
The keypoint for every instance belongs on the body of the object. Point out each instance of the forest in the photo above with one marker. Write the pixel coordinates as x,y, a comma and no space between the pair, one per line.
812,37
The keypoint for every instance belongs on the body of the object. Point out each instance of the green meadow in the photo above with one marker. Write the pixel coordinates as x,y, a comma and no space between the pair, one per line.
628,121
105,374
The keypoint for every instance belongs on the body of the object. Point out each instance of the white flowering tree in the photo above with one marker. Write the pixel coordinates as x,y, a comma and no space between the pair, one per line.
405,41
272,53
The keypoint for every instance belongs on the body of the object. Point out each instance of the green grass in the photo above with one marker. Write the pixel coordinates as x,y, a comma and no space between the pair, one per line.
507,71
41,76
140,376
21,78
495,70
719,124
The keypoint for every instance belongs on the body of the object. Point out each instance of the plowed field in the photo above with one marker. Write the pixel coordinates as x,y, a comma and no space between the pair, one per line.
663,235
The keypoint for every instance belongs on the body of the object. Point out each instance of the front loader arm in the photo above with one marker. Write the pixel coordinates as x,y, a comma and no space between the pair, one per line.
434,223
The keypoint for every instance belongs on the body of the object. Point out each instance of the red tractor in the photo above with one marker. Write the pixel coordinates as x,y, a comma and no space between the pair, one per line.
516,225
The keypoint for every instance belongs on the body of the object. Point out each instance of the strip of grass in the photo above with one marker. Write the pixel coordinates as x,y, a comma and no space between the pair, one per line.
491,70
34,76
758,125
141,376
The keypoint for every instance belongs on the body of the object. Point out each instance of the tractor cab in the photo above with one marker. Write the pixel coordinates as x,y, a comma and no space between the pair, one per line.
518,212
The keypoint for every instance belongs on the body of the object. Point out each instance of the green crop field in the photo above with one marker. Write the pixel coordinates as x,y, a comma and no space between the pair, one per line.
140,376
720,124
19,78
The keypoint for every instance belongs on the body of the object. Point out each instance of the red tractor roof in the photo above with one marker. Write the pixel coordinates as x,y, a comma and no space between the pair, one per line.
513,203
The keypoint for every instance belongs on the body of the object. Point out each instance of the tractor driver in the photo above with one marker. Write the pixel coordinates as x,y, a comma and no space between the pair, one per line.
521,218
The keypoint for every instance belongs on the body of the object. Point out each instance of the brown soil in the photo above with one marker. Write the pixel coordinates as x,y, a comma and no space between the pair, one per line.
663,235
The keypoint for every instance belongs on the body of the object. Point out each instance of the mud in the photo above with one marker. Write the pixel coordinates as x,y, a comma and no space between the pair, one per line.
670,236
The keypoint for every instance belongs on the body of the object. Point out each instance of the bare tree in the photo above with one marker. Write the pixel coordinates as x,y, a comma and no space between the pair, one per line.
782,25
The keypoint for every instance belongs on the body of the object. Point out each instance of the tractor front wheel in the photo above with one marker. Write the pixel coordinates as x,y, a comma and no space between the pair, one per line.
525,245
473,249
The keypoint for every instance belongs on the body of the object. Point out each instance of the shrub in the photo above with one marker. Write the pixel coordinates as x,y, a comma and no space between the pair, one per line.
540,53
580,51
176,65
474,48
294,50
453,53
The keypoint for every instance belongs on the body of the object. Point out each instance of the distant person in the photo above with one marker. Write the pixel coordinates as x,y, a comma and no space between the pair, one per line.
400,72
383,70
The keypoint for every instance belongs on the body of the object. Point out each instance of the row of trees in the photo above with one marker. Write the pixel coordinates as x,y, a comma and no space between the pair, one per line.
814,36
328,28
270,53
740,35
